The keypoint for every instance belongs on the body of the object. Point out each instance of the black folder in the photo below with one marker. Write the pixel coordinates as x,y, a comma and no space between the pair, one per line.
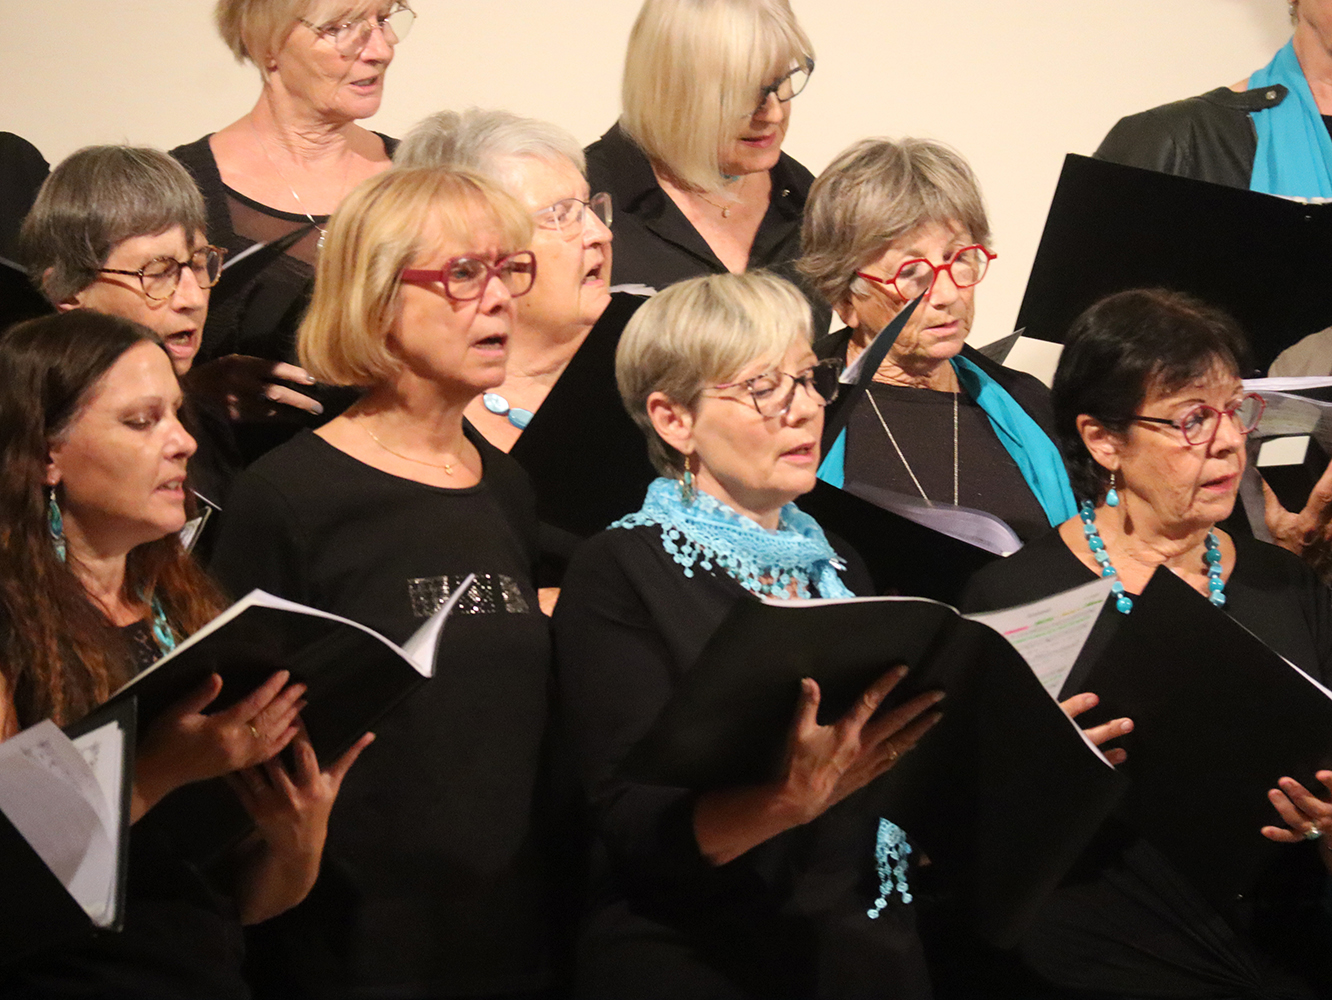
41,914
1003,794
1265,260
1219,717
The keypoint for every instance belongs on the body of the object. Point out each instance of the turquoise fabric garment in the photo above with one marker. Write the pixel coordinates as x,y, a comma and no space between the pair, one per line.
1036,456
703,532
1031,448
1294,156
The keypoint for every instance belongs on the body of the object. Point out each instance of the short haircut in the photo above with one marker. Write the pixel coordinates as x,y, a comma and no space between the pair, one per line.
483,140
96,199
682,54
254,30
701,332
384,225
1126,347
876,192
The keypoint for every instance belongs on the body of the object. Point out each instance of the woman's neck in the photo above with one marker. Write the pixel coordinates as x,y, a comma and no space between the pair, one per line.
915,373
289,129
728,220
101,570
1138,541
1316,63
422,418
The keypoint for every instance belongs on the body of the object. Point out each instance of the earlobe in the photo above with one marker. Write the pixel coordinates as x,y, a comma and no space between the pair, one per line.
846,310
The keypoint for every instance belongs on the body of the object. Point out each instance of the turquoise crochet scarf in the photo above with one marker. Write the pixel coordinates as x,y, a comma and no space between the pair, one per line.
703,532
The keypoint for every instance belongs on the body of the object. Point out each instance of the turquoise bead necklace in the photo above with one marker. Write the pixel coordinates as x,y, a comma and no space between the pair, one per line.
1216,587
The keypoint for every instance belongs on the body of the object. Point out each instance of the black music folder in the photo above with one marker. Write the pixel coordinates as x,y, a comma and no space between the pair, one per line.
1219,717
354,675
1003,794
64,831
1265,260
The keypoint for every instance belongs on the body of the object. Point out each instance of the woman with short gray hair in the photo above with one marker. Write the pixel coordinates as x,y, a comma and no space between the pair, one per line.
570,304
886,223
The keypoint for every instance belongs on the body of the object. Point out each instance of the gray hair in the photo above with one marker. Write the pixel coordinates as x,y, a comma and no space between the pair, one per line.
481,141
701,332
95,200
874,193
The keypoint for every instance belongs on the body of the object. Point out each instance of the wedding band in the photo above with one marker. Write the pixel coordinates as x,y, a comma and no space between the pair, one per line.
1315,832
893,754
254,732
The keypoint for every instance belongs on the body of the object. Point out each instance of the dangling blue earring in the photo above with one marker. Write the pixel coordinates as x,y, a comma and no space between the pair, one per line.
1112,495
55,523
687,490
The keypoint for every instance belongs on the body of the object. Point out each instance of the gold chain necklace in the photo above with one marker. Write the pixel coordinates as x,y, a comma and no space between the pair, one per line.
263,148
447,467
725,209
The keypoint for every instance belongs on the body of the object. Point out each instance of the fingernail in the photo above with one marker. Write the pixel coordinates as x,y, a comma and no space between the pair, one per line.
309,379
318,407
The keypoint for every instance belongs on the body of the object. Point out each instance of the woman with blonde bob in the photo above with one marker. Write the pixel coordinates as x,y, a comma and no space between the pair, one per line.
754,892
431,885
701,185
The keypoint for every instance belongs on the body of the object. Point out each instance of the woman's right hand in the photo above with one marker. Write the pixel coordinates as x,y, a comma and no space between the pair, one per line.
184,745
824,764
1106,731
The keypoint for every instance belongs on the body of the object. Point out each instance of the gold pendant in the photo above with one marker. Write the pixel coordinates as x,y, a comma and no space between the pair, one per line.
726,212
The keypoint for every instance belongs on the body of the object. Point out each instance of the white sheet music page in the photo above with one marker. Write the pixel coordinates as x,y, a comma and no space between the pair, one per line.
56,794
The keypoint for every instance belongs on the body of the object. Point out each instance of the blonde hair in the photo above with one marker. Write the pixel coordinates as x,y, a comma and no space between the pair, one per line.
384,225
255,29
701,332
875,192
681,55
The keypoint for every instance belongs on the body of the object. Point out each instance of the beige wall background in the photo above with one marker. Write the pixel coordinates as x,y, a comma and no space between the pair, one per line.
1013,84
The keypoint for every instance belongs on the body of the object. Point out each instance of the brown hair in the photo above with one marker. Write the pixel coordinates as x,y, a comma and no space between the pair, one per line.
59,654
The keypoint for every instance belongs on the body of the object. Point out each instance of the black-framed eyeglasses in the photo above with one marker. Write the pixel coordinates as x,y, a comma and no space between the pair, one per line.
917,276
466,278
569,215
350,37
1200,424
773,392
785,87
160,277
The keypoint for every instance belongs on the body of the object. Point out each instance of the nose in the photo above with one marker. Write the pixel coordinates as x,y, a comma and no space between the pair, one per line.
806,403
594,230
180,445
495,296
771,110
943,289
378,48
189,294
1228,437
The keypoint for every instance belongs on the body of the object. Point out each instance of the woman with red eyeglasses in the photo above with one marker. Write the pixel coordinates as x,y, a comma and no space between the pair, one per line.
939,424
431,884
1151,413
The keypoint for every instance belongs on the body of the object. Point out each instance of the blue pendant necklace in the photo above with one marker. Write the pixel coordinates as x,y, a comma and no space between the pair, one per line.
1216,587
499,406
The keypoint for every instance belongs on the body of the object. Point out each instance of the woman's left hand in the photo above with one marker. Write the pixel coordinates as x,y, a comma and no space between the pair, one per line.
1307,817
1106,731
290,809
250,388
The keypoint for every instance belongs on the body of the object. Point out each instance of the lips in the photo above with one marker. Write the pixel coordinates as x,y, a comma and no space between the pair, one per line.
495,342
759,141
173,487
806,452
182,344
1222,483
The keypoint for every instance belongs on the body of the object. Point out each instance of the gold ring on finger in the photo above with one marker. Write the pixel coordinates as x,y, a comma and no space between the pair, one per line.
253,731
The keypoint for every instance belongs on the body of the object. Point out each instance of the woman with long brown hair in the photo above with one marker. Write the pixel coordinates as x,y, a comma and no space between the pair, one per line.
94,586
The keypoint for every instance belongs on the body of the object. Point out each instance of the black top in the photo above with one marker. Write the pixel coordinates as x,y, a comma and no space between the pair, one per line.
1125,923
786,919
1208,138
921,421
257,315
431,883
182,936
656,246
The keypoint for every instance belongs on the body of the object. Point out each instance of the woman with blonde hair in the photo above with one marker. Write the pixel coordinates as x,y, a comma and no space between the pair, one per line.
432,885
701,185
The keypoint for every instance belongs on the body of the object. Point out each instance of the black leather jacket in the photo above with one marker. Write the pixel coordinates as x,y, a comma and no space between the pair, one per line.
1209,137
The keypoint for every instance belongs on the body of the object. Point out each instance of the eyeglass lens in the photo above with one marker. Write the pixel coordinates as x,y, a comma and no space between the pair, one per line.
774,393
787,87
1200,424
966,269
465,278
161,277
353,36
569,215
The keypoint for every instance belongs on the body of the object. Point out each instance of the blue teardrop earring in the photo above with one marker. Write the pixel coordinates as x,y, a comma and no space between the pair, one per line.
1112,495
55,523
687,489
